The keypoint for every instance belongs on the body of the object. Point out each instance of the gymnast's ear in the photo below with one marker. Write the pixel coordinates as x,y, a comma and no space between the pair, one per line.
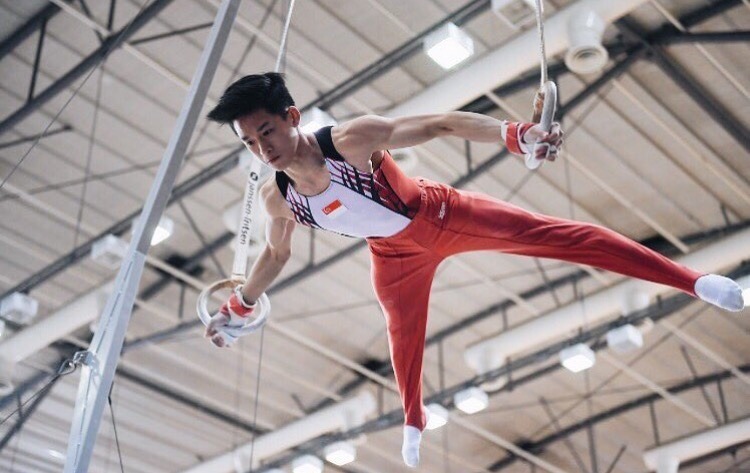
294,115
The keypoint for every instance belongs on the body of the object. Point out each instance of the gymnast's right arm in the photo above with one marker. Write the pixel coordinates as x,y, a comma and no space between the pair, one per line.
266,268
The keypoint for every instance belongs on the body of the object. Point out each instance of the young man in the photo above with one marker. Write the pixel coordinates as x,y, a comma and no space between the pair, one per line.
343,179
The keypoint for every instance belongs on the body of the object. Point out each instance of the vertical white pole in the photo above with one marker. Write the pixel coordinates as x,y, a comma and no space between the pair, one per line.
100,362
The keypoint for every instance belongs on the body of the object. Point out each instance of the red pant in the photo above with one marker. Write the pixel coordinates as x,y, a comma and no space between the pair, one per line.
451,221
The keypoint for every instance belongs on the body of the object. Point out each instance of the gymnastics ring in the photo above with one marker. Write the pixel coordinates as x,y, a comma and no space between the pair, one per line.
548,116
264,308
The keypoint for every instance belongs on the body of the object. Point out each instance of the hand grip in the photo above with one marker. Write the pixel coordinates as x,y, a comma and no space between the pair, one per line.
548,116
253,324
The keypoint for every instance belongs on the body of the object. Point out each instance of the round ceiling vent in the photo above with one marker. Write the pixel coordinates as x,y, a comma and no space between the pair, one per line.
586,55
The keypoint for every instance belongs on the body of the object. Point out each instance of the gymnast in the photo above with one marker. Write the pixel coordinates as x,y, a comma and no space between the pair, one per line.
343,179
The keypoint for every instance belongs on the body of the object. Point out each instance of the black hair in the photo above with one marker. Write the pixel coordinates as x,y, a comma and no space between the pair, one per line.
252,93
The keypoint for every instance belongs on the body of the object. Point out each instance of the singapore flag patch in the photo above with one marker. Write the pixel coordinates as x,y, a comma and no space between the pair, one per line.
334,209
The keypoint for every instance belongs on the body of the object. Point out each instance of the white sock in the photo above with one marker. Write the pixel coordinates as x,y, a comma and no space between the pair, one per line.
720,291
410,448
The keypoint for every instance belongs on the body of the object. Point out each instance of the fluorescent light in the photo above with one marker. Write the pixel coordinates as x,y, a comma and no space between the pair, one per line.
163,230
340,453
316,119
55,454
577,358
109,251
307,464
438,416
625,339
449,45
19,307
471,400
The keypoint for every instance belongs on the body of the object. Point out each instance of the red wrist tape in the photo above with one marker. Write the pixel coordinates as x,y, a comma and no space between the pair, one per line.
514,136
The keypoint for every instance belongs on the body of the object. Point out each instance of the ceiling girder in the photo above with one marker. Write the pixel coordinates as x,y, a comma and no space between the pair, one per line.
92,60
27,29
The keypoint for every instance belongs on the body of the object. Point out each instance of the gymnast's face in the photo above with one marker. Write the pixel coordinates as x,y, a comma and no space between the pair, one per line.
273,138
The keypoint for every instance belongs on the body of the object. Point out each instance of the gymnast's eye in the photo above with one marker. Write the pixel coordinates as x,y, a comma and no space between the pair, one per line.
267,132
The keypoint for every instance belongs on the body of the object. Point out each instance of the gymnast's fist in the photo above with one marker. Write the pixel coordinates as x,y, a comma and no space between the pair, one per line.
233,313
553,138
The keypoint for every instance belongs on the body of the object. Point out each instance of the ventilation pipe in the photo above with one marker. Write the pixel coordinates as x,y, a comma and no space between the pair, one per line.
342,416
64,321
510,60
666,458
493,352
586,55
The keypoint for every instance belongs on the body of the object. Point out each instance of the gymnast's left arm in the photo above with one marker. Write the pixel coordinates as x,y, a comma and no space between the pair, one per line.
374,133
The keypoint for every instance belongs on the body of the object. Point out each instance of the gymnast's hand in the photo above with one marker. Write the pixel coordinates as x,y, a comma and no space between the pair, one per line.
233,313
554,138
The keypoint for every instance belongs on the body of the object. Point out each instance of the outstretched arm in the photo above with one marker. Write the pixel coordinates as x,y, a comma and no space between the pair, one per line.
371,133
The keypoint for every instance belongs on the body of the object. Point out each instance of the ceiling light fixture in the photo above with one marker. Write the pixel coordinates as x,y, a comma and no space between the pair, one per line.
307,464
340,453
624,339
438,416
577,358
19,308
471,400
109,251
449,45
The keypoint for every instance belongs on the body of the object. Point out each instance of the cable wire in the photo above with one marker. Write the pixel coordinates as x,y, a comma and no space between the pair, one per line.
279,68
89,154
114,428
74,94
65,368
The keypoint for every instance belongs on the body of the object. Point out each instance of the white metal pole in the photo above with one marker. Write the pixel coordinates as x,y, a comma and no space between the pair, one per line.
100,361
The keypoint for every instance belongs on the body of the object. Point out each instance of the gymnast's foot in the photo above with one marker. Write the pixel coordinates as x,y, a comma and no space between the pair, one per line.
410,448
720,291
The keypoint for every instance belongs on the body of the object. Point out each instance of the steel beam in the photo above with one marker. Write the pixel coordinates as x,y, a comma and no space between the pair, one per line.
229,161
102,358
170,34
690,86
713,37
92,60
709,11
27,139
37,59
694,383
27,413
27,29
396,56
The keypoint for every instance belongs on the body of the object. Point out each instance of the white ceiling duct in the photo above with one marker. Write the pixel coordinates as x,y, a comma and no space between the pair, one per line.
586,54
666,458
509,61
342,416
65,320
492,352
